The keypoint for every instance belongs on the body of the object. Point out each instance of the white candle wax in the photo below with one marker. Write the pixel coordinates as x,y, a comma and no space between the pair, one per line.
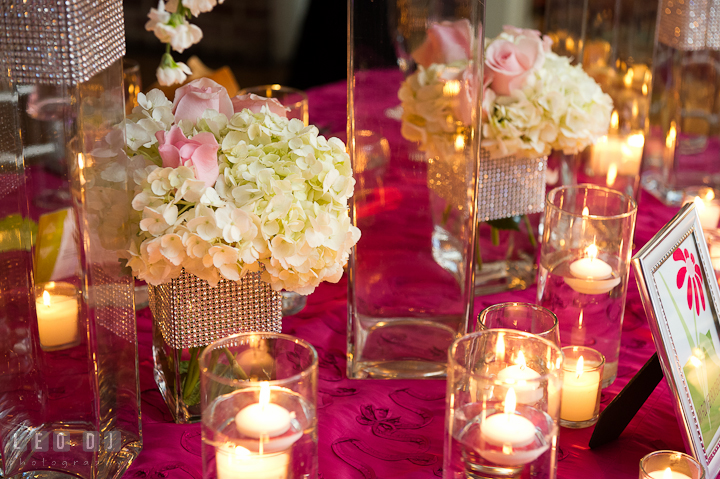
625,153
579,393
522,379
592,275
708,211
235,462
57,316
667,474
508,432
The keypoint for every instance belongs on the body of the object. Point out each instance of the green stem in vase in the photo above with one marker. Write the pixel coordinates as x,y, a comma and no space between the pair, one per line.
192,378
446,214
478,253
531,235
238,371
494,236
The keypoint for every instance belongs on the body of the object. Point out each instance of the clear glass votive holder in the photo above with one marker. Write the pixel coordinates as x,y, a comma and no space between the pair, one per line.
681,466
503,405
259,407
527,317
584,266
583,372
57,305
292,98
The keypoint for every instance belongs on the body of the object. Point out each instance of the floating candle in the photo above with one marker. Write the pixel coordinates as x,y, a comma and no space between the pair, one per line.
510,433
57,315
580,393
592,275
522,379
263,419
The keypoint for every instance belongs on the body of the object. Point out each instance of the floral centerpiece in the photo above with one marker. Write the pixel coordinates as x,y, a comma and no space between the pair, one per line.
228,188
233,186
534,101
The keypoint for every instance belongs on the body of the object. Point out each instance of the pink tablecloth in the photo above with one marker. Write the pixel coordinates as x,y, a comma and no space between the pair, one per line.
394,429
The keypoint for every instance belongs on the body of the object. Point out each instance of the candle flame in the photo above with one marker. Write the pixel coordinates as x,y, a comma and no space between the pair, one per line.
520,360
580,320
635,108
709,194
612,174
614,120
459,143
500,347
636,140
579,367
592,251
644,89
667,473
264,399
451,88
671,136
628,78
46,298
585,211
510,401
699,203
81,161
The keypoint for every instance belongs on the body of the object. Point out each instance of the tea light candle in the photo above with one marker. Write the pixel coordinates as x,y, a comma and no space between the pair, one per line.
707,208
579,393
667,473
237,462
522,379
57,315
511,432
592,275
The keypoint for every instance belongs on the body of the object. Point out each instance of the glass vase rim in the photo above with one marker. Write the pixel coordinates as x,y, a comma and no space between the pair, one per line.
674,453
506,304
307,371
522,334
274,87
632,204
597,367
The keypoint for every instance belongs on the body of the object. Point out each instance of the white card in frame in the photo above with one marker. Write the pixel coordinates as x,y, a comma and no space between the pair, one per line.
680,295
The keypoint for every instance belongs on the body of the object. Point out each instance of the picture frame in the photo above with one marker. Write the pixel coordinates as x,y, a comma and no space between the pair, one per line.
681,298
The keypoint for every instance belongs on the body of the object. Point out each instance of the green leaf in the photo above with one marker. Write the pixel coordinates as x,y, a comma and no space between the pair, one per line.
510,223
184,365
194,397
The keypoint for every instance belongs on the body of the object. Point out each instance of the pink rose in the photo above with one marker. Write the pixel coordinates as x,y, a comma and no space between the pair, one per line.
446,42
199,152
254,103
528,32
199,95
508,64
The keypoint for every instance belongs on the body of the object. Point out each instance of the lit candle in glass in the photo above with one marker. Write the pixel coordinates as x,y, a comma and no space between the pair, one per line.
706,205
521,378
57,315
581,386
591,274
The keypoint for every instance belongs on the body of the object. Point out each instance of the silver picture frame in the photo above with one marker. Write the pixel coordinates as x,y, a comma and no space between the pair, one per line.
681,298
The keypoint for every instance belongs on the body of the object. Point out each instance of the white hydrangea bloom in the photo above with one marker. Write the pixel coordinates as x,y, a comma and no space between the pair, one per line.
279,203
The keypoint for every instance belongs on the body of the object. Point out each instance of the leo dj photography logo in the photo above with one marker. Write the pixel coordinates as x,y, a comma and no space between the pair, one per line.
61,442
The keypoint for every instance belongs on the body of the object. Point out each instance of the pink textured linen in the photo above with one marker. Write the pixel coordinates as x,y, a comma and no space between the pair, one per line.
394,429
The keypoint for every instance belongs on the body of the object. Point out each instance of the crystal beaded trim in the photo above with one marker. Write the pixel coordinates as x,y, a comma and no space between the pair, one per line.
111,299
61,42
690,25
510,186
191,313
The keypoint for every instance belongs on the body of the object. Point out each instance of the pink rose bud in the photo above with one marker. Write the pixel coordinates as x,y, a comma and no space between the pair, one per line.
446,42
199,152
508,64
199,95
254,103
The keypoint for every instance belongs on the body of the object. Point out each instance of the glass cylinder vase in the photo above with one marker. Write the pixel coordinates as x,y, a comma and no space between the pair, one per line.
188,314
69,397
408,300
502,406
585,253
259,408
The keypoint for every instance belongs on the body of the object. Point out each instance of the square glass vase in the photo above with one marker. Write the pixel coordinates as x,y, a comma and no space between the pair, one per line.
189,314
